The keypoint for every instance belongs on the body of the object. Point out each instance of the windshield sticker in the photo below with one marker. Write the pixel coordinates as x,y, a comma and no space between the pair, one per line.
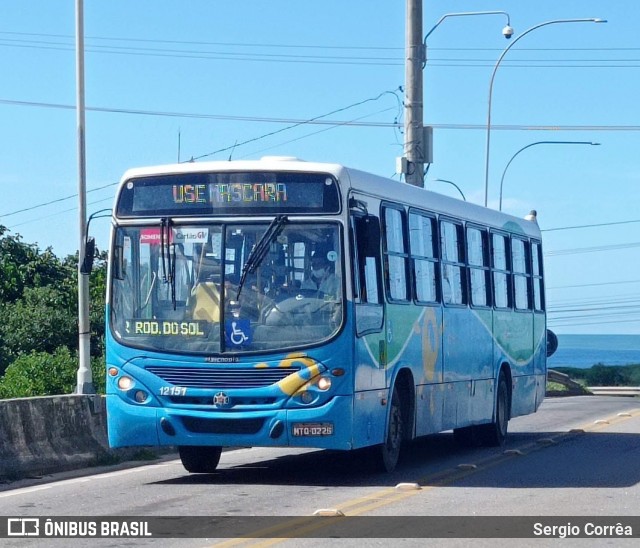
237,332
151,236
191,328
191,235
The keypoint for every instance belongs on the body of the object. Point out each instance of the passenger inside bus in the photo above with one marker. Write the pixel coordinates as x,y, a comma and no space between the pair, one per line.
204,302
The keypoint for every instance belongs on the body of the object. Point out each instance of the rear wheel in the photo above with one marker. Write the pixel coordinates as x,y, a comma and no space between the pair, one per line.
199,459
495,433
466,437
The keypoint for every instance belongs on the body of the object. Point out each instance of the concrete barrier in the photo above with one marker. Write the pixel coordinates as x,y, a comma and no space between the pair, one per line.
53,434
572,388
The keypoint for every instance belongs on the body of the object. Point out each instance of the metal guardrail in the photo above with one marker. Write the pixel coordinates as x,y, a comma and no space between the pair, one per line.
614,390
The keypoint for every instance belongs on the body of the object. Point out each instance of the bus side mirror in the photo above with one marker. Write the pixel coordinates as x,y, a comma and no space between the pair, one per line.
552,343
89,254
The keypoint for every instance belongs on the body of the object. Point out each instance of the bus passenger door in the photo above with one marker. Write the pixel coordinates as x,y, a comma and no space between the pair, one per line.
368,305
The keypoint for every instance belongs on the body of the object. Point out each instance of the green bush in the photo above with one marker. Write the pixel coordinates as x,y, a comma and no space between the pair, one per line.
605,375
601,375
47,374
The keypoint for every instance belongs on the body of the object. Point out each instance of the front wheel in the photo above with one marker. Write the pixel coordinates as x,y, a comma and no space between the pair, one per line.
199,459
387,455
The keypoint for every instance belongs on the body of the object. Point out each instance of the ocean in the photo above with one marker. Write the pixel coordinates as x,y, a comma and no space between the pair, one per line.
583,351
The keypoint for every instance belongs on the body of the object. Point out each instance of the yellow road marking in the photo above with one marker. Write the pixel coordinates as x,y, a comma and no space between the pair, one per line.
305,524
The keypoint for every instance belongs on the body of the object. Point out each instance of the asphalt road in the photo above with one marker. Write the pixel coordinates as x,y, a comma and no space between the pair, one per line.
577,456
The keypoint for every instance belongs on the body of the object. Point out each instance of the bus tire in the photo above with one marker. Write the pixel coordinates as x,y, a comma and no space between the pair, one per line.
388,453
494,434
199,459
466,436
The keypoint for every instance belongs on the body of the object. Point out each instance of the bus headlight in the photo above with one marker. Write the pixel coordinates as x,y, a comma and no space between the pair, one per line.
307,397
125,383
310,392
324,383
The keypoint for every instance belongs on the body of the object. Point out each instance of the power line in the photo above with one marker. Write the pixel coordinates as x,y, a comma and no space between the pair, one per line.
75,208
112,184
590,226
260,45
300,46
308,135
235,145
200,115
633,307
54,201
597,322
601,301
296,124
591,249
592,285
220,56
323,59
482,127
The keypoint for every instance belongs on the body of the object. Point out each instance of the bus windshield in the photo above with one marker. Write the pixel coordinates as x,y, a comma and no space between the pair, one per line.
176,287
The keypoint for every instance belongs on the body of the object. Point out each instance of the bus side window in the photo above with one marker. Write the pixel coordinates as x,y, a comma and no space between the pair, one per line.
521,274
536,271
367,279
479,269
500,266
453,277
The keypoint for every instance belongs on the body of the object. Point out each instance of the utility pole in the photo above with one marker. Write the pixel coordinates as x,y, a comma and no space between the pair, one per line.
412,164
84,376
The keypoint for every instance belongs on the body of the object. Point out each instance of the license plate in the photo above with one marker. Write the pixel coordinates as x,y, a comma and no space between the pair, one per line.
313,429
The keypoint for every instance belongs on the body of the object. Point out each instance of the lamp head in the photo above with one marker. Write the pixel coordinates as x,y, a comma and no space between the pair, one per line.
507,32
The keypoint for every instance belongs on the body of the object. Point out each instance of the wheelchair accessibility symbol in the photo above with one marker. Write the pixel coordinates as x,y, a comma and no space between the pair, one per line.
238,332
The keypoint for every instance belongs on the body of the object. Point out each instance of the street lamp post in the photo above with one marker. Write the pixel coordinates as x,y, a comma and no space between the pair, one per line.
415,147
452,183
506,31
534,144
84,375
495,68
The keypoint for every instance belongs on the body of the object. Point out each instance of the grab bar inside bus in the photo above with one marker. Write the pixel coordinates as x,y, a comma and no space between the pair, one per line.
153,281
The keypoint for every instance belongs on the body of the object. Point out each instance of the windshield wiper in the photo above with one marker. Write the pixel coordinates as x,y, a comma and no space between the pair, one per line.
260,249
168,263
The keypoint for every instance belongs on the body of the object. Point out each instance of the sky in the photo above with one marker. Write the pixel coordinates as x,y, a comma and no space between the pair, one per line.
169,81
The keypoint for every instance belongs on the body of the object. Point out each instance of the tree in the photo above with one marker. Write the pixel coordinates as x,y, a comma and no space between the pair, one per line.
39,303
23,265
41,320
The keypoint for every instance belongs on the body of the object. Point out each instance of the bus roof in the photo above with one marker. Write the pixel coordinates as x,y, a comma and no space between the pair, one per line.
364,182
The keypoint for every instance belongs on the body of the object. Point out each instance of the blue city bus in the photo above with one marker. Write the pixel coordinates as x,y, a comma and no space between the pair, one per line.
282,303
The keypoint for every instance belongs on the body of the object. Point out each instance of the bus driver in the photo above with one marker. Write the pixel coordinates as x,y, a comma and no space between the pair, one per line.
322,277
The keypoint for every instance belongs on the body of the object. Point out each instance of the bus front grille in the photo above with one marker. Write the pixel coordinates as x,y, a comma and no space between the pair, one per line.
208,401
207,377
222,426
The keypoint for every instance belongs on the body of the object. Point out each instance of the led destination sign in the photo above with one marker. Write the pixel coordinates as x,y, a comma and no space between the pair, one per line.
229,194
222,193
193,328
